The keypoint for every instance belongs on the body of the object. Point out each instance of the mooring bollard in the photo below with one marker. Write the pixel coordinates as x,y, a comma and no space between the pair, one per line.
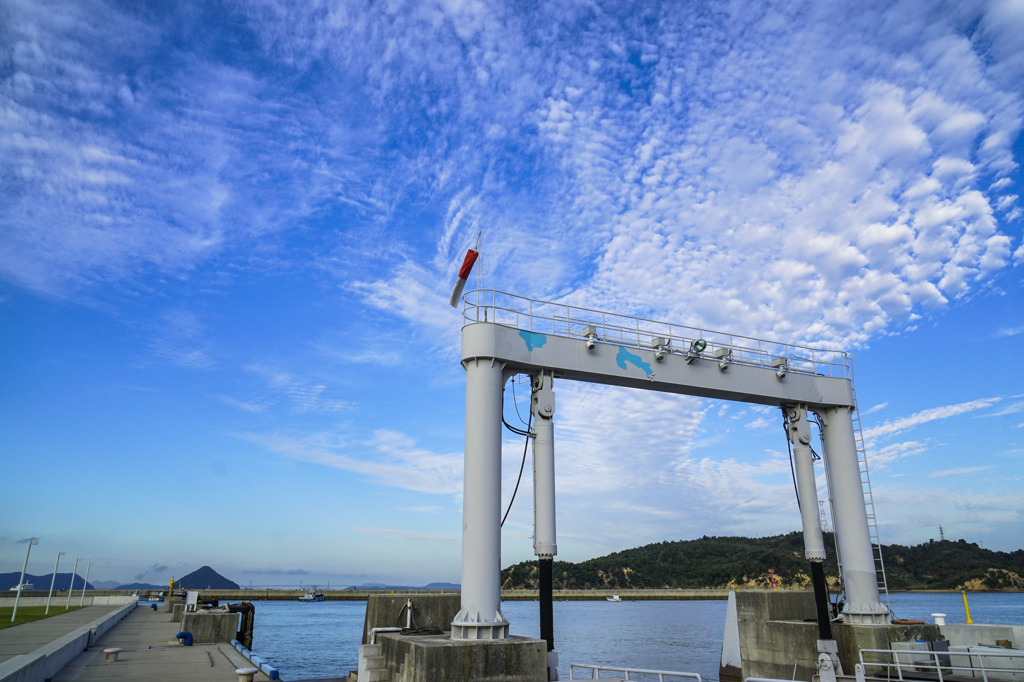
184,637
245,674
154,606
111,654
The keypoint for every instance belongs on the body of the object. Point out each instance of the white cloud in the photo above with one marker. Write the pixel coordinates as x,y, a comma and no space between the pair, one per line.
962,471
388,458
876,408
411,536
925,416
759,423
305,395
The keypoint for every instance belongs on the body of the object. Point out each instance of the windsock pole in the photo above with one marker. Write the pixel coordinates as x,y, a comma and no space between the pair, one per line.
467,267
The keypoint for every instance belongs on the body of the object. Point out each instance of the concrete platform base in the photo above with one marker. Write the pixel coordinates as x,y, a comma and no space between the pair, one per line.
775,635
438,658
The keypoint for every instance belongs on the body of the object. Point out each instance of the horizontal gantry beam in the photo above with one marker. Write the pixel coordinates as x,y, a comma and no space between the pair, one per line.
529,352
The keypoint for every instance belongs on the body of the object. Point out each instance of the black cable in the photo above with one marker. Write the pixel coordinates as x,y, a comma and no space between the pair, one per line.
516,402
522,466
789,448
508,426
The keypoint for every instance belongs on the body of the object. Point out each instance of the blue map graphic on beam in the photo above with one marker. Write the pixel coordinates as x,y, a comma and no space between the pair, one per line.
625,356
534,340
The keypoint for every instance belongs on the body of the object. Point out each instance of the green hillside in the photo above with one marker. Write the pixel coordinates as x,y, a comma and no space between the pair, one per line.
720,562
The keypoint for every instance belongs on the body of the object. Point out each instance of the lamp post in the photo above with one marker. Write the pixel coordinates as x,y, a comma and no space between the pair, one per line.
74,574
21,582
53,580
88,568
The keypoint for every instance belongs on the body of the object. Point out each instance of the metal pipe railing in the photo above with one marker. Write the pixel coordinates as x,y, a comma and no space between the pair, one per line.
559,319
597,669
937,666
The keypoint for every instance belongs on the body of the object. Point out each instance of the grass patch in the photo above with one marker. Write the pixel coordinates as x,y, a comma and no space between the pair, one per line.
27,614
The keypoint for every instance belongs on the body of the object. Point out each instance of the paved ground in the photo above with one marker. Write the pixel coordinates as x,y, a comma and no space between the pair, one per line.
150,652
28,637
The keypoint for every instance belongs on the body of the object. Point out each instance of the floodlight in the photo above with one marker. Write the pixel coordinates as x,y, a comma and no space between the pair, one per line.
590,331
698,345
660,344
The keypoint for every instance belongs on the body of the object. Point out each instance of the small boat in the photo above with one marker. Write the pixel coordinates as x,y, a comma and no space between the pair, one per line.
614,597
23,586
313,595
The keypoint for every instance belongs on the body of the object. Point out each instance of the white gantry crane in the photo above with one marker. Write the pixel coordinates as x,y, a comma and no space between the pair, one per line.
504,335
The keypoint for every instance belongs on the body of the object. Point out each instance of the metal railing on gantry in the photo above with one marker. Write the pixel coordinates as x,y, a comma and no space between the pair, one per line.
559,319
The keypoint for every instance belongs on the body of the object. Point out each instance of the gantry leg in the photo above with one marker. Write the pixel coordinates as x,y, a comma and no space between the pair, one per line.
851,520
481,616
544,540
799,431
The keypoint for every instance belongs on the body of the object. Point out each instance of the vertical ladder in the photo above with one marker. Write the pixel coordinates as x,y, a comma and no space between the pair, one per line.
869,500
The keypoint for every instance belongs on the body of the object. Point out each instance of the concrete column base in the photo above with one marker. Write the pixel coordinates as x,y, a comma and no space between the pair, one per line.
439,658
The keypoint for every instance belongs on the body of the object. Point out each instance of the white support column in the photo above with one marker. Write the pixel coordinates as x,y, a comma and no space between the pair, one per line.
862,601
543,406
803,462
481,616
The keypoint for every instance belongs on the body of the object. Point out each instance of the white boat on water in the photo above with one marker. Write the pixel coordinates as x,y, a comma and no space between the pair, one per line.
23,586
614,597
313,595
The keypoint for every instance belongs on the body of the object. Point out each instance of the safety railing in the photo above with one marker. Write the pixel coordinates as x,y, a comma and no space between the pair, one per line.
980,663
662,675
559,319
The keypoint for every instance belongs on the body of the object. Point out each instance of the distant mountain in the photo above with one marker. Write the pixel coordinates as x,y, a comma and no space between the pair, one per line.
727,562
106,584
140,586
203,578
408,588
42,582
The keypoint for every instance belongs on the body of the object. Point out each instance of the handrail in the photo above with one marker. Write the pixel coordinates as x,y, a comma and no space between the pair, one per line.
596,669
937,665
560,319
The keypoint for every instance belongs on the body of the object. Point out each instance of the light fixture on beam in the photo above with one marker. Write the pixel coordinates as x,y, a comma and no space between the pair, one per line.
696,348
724,357
781,366
590,331
661,345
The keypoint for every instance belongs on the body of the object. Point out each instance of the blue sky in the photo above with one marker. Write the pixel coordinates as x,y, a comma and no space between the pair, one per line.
228,232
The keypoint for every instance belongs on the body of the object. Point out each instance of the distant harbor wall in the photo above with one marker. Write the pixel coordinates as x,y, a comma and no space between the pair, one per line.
506,595
61,600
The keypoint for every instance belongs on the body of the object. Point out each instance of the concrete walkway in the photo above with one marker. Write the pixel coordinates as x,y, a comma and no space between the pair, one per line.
27,637
150,652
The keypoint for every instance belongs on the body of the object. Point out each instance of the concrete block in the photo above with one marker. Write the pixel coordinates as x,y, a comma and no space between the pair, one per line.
438,658
177,611
429,611
210,627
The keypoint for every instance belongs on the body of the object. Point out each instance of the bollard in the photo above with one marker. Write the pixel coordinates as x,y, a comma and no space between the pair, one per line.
184,637
940,618
154,606
111,654
245,674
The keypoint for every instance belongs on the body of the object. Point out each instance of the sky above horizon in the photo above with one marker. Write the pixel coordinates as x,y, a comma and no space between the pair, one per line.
228,233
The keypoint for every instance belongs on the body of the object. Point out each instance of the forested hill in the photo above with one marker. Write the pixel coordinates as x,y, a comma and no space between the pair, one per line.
722,562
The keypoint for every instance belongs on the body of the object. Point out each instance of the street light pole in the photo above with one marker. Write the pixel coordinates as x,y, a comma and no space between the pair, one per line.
74,574
88,568
52,581
21,582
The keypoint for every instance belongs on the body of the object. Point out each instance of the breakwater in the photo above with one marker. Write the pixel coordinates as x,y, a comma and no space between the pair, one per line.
257,594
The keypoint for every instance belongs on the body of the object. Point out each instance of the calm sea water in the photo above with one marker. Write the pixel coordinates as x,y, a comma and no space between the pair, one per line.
317,640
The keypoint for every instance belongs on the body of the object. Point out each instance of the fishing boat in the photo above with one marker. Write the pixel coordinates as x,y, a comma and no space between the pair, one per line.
313,595
614,597
23,586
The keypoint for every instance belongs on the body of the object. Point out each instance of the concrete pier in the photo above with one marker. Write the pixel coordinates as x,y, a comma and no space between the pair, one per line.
150,652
